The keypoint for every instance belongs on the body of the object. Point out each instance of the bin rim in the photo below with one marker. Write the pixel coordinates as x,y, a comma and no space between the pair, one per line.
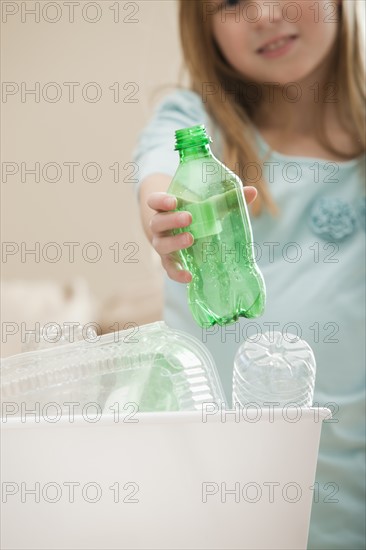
215,414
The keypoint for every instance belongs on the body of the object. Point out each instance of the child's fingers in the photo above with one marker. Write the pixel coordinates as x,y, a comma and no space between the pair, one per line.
166,221
174,269
168,244
164,202
250,194
165,244
161,201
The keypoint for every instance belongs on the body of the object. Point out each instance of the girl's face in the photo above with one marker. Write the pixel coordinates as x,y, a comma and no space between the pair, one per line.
271,41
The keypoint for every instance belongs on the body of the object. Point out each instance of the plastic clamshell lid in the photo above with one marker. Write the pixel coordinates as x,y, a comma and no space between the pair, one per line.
152,366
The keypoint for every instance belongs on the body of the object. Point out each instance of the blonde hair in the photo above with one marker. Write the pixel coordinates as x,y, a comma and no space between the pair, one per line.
206,65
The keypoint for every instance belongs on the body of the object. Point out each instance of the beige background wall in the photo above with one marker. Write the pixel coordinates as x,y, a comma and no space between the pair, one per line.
140,52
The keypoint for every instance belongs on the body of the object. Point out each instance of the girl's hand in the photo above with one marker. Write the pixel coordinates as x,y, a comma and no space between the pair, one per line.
165,243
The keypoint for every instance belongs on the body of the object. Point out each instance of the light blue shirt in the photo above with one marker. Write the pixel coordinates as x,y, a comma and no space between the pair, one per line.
313,261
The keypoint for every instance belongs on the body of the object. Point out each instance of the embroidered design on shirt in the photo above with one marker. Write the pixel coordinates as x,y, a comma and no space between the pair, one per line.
333,219
361,213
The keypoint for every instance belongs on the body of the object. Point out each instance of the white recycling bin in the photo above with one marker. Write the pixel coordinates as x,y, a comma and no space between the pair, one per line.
84,468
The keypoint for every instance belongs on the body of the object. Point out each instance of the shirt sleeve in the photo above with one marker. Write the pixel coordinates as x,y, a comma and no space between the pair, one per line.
154,152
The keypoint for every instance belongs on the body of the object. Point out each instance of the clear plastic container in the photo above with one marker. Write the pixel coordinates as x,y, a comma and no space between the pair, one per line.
277,368
153,366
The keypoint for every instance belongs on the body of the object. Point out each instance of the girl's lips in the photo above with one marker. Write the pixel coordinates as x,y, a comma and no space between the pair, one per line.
277,47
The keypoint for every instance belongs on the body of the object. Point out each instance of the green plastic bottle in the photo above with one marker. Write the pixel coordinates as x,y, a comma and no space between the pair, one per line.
226,282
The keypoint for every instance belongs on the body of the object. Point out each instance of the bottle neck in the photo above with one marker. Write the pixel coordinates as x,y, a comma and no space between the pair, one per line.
195,152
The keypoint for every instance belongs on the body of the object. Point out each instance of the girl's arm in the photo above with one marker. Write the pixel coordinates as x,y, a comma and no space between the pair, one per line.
158,221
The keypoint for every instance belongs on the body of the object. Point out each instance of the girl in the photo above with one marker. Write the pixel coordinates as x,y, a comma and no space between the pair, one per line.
279,87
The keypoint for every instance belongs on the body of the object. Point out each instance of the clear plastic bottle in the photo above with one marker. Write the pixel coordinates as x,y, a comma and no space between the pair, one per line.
226,282
276,368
